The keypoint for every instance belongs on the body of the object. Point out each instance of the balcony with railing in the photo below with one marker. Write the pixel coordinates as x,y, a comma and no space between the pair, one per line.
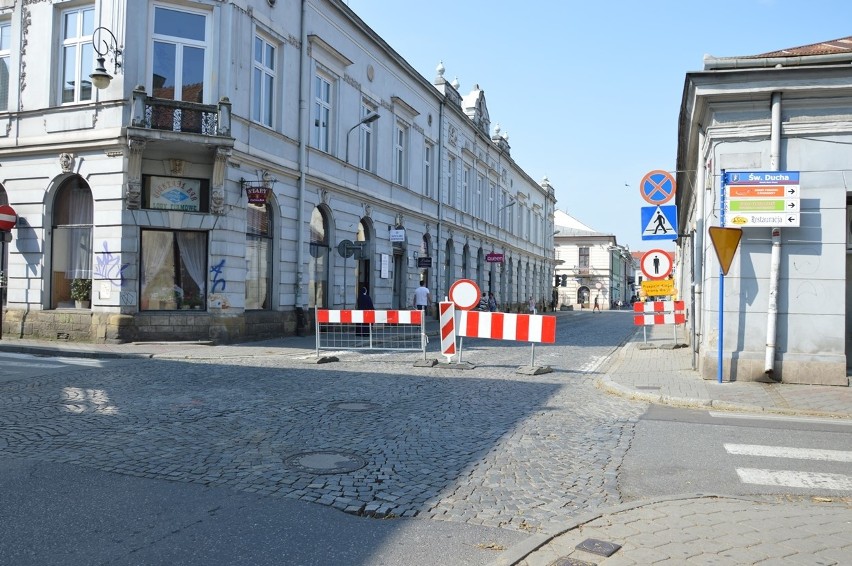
178,116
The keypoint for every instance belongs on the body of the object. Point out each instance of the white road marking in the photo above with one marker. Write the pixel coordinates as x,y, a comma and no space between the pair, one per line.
762,417
787,452
785,478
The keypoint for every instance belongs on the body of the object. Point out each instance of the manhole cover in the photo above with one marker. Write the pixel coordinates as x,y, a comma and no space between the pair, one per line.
354,406
326,462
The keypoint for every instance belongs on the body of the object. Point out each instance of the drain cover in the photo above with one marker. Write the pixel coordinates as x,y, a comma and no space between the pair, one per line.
599,547
354,406
326,462
566,561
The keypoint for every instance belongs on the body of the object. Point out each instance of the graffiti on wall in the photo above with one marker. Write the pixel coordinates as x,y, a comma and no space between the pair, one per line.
108,267
218,282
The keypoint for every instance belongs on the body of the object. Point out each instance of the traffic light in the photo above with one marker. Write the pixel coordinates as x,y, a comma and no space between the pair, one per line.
564,280
557,281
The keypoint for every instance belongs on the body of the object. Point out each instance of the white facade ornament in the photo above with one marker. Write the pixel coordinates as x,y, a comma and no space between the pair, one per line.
66,161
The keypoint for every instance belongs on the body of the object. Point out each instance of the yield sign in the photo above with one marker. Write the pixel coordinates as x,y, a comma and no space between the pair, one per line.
725,242
657,187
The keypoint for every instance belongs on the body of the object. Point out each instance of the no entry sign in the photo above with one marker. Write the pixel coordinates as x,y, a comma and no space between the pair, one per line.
8,218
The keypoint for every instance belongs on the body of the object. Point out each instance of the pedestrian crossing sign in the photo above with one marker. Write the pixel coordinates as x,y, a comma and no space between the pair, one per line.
659,222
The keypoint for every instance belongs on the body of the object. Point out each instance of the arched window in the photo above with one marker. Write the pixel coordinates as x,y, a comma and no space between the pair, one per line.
71,243
450,264
466,262
259,243
480,271
320,260
425,254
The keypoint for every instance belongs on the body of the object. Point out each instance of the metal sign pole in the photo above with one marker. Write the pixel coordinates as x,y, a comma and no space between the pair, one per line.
721,280
532,355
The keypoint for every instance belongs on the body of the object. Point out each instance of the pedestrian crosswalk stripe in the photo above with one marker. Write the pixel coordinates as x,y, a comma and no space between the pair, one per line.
785,478
787,452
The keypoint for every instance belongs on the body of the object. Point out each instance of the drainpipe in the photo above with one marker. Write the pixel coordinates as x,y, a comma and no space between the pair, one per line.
698,248
438,297
304,86
775,260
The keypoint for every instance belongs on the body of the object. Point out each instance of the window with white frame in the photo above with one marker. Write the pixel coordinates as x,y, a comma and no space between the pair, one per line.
179,55
263,82
367,139
400,143
477,197
450,195
321,132
5,52
492,202
428,152
465,192
77,54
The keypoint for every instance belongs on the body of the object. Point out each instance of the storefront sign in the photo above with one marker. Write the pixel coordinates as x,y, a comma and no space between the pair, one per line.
257,194
397,235
494,257
424,262
174,193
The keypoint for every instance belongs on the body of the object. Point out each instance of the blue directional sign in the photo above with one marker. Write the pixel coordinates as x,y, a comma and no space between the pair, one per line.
659,222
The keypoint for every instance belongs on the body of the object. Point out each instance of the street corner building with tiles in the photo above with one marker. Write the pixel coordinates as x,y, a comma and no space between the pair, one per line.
227,169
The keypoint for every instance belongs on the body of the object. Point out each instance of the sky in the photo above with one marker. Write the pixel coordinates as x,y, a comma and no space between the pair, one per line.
589,92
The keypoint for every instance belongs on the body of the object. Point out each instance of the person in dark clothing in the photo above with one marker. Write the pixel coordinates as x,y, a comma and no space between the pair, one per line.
365,303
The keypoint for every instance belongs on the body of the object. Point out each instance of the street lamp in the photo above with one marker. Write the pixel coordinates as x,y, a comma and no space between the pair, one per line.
371,117
101,78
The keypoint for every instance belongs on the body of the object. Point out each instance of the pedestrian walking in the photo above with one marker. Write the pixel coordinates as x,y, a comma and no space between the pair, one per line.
483,302
597,306
365,303
531,305
492,302
422,297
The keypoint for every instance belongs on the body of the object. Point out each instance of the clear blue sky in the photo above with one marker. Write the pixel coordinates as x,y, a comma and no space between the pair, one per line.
589,92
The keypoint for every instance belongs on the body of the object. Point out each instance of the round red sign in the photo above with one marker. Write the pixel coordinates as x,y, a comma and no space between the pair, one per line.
465,294
8,218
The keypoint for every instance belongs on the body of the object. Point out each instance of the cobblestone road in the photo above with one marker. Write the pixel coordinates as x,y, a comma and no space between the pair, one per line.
370,435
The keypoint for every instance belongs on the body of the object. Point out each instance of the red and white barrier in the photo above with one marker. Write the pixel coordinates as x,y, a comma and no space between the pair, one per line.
659,312
448,328
369,317
507,326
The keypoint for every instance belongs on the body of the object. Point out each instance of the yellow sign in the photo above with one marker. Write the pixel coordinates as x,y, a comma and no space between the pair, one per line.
725,242
658,288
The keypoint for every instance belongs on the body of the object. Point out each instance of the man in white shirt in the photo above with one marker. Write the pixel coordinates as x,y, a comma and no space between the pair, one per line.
422,297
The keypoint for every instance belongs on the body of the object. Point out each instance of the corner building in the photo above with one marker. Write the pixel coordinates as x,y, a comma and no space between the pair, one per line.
244,164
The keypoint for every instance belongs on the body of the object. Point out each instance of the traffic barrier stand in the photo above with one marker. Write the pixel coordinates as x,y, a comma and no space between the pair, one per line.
659,312
533,328
396,330
448,314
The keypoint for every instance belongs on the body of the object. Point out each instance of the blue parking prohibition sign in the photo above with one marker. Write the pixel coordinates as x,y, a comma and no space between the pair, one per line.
657,187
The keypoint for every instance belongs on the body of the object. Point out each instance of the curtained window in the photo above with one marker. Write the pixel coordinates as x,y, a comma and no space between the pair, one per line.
72,248
258,257
174,267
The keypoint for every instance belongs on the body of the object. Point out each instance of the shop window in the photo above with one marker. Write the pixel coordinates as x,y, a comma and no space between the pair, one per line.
258,257
174,265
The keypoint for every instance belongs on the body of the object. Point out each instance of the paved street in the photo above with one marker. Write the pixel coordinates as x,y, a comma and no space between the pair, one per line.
369,435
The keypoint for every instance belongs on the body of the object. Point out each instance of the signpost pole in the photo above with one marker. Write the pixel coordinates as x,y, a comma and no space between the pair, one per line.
721,280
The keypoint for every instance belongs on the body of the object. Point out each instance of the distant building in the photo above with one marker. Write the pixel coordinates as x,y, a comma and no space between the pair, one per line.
589,265
786,298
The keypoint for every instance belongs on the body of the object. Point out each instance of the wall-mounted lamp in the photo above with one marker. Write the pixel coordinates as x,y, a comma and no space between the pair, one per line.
103,47
507,205
371,117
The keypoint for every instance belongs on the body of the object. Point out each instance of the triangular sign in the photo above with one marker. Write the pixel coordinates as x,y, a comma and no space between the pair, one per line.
725,242
659,224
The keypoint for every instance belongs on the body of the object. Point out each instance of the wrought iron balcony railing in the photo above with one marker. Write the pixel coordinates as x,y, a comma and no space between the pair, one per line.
179,116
